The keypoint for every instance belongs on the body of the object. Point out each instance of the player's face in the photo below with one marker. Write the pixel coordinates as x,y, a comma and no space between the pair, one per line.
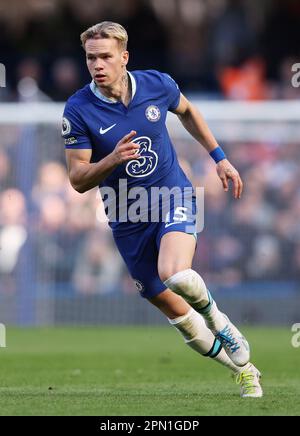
105,61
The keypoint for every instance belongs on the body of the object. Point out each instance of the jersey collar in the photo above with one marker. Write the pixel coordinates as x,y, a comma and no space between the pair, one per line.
102,97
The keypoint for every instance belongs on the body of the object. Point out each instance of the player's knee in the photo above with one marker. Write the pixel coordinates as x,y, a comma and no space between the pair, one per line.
167,271
189,284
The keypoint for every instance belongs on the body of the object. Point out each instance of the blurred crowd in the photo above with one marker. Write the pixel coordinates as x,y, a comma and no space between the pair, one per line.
54,239
236,49
258,236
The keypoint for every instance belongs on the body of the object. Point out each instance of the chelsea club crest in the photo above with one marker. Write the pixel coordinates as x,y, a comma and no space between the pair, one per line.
139,285
152,113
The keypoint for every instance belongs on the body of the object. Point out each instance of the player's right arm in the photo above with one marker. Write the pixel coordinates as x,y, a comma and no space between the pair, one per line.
85,175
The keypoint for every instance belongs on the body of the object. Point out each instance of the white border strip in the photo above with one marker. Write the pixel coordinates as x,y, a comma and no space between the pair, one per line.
32,113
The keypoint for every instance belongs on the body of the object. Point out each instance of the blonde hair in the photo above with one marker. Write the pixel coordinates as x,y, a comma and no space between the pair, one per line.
106,29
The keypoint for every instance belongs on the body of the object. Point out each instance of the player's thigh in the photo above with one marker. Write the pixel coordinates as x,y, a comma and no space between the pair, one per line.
176,253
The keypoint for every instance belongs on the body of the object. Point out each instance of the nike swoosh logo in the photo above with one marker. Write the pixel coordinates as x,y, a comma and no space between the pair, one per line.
102,131
171,224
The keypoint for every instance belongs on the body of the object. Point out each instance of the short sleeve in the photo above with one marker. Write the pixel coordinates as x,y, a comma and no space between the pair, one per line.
173,91
74,130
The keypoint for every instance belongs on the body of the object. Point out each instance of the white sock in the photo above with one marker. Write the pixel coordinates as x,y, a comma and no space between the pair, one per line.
197,336
190,285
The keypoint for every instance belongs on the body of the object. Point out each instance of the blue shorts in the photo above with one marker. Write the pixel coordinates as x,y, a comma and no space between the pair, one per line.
140,250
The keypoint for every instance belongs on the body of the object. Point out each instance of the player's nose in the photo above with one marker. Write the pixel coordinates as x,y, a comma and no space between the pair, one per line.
98,66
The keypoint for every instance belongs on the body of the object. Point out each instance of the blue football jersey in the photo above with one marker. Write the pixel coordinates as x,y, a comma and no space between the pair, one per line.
92,122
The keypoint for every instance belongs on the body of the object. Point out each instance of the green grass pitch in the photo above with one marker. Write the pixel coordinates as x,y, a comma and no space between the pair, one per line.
146,371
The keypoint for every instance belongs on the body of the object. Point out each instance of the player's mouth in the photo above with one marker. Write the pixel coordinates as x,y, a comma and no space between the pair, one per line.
99,77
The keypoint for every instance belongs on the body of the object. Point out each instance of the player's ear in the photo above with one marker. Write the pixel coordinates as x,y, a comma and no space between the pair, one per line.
125,57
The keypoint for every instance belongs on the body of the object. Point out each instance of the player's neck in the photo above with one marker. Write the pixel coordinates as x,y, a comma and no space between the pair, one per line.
120,91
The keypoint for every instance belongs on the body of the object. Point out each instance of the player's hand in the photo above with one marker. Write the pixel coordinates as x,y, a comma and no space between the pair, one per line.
227,172
126,150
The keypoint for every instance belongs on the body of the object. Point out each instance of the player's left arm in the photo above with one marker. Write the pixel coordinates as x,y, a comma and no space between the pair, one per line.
195,124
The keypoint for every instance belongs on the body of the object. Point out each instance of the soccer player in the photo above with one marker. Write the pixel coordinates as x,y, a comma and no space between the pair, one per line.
114,130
